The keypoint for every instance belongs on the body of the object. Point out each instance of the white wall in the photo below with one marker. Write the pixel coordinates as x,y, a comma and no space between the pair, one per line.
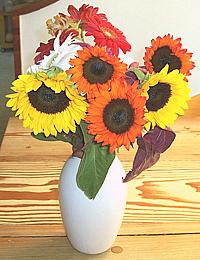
140,20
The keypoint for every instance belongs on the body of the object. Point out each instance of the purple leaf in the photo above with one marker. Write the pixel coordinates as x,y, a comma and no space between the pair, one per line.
160,139
150,146
130,77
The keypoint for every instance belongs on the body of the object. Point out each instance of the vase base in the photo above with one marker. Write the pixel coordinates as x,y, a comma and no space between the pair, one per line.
89,251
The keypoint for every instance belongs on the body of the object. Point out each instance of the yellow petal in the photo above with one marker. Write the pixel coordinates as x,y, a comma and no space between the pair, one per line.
46,132
11,102
58,123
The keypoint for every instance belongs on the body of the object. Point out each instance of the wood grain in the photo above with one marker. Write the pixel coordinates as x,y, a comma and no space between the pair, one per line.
163,199
184,247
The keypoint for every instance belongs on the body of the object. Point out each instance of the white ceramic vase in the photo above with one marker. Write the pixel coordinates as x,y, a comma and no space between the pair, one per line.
92,225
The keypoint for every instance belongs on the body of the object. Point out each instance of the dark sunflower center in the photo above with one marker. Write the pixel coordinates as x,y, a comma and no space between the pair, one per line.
47,101
163,56
118,116
158,96
96,70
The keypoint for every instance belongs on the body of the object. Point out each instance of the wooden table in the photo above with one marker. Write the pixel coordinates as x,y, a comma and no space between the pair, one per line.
162,217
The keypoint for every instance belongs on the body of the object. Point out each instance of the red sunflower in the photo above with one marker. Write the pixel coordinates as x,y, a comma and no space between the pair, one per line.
116,117
105,34
167,50
94,69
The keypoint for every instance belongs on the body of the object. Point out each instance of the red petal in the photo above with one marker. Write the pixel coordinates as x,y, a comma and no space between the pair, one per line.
74,13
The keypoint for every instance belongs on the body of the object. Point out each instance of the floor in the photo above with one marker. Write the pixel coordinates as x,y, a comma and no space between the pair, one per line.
6,77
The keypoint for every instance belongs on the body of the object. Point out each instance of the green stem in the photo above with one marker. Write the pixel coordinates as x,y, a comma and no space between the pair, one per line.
82,36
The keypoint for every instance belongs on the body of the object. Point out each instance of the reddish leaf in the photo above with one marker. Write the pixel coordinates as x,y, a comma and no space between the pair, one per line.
83,44
150,146
66,33
44,49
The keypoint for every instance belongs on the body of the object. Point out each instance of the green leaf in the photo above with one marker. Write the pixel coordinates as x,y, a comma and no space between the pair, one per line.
93,168
68,138
42,137
60,137
139,74
146,78
53,71
87,137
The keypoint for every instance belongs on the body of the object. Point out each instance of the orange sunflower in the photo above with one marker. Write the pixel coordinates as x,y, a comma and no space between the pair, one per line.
95,69
167,50
116,117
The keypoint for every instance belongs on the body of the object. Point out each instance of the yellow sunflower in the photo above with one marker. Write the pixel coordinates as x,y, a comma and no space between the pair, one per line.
47,104
167,95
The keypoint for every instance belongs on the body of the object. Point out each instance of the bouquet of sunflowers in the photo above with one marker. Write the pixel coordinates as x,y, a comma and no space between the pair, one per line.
85,89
